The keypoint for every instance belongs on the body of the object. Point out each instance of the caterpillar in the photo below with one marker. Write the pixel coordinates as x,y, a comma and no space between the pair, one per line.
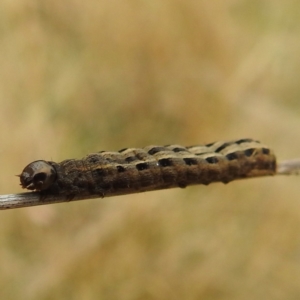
132,170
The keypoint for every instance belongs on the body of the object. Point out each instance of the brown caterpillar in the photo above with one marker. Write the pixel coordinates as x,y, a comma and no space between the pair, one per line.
133,170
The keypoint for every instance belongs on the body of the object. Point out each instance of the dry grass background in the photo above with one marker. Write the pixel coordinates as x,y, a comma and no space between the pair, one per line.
81,76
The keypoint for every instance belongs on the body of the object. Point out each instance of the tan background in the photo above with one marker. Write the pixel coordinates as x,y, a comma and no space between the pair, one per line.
82,76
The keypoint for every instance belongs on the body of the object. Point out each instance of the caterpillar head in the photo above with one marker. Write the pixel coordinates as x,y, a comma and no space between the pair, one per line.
38,175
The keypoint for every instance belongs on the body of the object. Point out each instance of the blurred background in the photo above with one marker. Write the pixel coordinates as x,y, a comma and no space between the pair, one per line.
84,76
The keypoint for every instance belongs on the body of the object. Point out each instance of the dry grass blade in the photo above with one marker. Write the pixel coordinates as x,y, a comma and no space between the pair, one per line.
289,167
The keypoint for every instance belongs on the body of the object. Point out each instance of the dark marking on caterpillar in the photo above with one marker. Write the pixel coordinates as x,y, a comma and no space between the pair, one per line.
130,159
142,166
219,149
249,152
212,160
266,151
165,162
190,161
232,156
133,170
155,150
177,149
121,169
